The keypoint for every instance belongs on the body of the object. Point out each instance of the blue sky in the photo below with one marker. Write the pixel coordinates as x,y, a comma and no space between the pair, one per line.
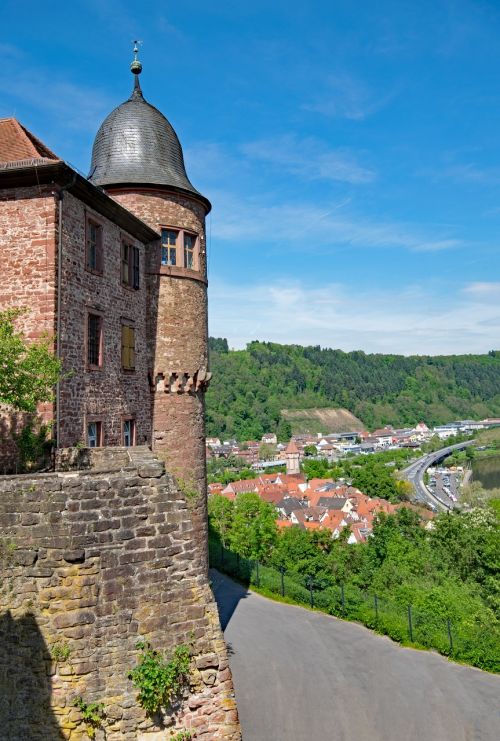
351,152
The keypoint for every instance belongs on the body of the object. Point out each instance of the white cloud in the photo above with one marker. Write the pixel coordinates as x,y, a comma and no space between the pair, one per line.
414,320
25,83
343,96
309,158
483,290
464,173
325,226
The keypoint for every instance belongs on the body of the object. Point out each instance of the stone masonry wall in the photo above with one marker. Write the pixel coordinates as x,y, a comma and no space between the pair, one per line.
107,393
28,247
93,561
28,223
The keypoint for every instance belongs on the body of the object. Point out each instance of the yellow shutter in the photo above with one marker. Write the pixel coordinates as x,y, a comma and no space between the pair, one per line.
124,346
131,347
128,347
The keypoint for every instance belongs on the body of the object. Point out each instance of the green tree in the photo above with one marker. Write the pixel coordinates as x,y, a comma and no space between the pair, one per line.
254,531
28,371
220,516
267,452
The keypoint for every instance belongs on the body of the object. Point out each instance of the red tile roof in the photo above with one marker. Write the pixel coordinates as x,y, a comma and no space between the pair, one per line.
17,143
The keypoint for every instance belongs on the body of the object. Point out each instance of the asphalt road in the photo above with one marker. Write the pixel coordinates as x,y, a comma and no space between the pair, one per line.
302,676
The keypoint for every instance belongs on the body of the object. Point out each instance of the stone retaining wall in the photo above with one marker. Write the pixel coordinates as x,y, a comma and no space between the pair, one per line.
91,562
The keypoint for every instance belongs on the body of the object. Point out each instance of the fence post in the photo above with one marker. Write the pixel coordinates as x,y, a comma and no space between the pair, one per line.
257,575
343,597
310,585
376,607
450,636
410,625
222,554
282,572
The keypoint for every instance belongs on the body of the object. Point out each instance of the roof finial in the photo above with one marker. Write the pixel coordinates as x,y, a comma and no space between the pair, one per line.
136,69
136,66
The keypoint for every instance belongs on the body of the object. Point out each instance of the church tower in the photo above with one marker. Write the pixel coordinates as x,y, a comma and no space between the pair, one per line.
137,159
292,459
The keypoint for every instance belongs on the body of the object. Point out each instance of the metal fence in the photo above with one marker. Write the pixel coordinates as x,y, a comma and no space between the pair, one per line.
404,623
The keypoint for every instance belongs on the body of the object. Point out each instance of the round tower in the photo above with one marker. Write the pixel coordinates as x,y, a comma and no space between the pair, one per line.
137,158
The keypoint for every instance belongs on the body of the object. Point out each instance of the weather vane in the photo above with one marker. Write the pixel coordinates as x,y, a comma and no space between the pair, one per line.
136,66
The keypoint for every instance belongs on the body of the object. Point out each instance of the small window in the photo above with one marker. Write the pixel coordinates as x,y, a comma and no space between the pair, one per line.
135,267
130,267
128,432
128,347
94,340
189,245
94,434
169,239
126,264
94,247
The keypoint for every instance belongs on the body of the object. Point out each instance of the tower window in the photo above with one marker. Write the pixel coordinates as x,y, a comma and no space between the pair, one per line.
179,248
94,340
94,257
189,245
169,239
130,266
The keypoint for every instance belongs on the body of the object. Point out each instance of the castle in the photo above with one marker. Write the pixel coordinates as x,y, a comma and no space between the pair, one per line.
114,268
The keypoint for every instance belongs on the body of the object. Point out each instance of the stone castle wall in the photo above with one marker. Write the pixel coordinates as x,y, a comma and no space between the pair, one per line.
96,560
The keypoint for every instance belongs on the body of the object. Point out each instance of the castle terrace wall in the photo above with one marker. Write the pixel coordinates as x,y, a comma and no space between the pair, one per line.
94,561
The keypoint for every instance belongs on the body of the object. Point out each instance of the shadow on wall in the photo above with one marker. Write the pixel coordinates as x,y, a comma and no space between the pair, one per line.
11,424
25,687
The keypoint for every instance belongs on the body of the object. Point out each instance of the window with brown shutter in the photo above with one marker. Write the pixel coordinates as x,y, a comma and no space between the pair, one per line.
130,266
128,347
94,247
125,264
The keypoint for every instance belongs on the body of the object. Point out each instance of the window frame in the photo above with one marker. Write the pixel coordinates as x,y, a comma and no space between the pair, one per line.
100,348
98,422
127,324
181,249
190,250
130,277
92,221
169,248
130,419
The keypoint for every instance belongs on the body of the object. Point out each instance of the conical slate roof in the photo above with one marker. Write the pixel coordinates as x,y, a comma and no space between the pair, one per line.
136,145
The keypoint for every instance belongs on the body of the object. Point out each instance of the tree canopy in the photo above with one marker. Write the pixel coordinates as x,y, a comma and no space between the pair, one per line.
250,387
28,371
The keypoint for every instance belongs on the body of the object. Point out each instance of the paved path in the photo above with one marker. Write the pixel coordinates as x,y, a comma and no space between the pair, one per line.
304,676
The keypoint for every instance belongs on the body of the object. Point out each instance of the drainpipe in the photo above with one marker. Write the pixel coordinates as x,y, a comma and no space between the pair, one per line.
60,196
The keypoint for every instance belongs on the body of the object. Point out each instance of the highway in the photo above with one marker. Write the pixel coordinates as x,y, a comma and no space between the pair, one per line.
414,473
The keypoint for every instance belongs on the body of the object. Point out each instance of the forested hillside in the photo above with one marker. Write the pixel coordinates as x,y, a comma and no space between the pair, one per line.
250,387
